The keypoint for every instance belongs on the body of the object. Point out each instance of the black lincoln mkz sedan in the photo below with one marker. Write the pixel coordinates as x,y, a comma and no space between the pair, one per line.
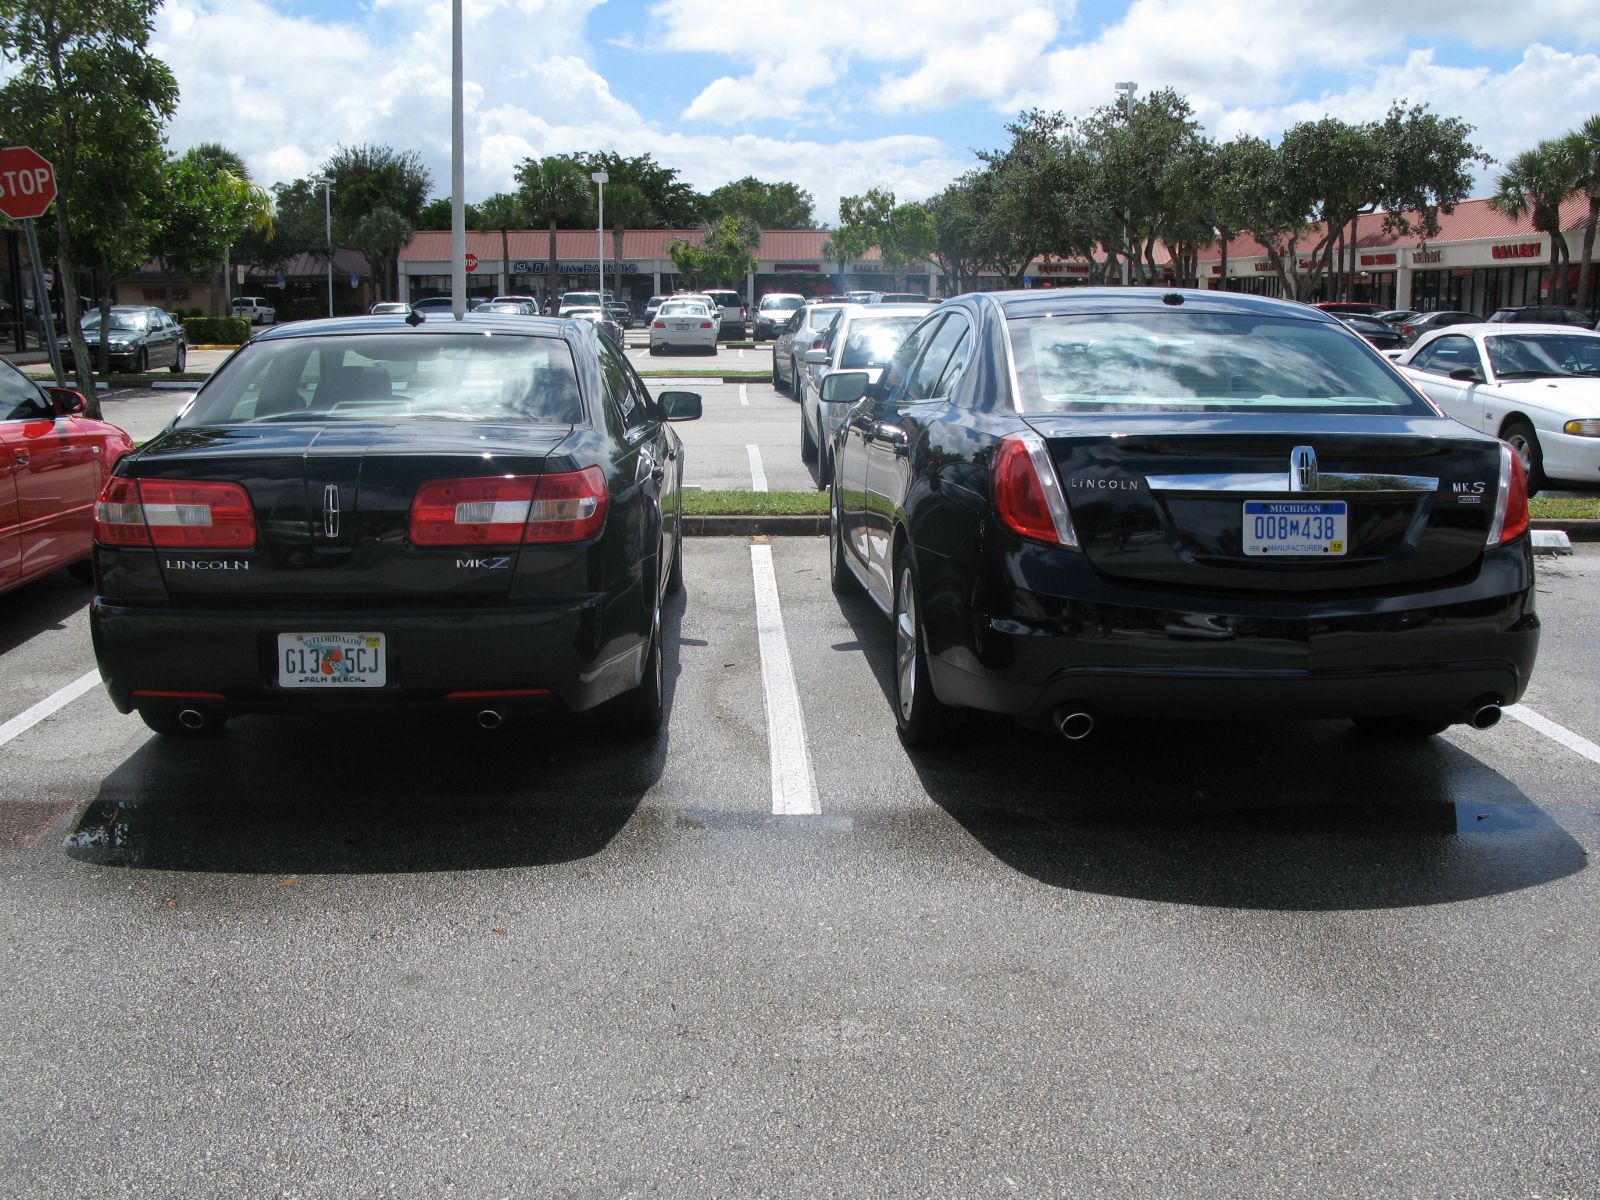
352,514
1182,504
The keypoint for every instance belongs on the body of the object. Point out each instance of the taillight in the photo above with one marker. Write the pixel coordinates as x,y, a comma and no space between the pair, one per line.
1511,505
186,514
705,324
1026,495
509,510
658,324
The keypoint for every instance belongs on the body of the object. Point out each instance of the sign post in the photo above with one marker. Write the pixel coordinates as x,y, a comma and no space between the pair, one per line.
27,189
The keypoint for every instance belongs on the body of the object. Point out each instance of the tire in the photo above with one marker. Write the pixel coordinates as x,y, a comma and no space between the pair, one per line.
844,583
795,385
1524,442
165,722
919,715
141,362
181,360
675,576
640,710
1402,727
655,351
824,462
777,384
808,444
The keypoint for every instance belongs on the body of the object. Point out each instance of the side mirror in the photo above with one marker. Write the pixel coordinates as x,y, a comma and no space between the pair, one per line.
680,406
1393,355
845,387
67,403
1466,375
816,357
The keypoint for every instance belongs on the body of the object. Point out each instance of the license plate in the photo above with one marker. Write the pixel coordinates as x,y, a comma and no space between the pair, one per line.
332,660
682,325
1273,527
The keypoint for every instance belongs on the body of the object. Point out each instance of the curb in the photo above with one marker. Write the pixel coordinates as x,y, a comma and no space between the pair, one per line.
799,525
1579,529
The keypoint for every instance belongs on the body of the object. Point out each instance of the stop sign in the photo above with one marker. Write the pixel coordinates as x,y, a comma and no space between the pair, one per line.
472,263
27,183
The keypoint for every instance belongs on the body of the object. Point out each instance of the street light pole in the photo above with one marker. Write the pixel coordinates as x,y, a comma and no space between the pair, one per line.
1127,90
458,168
600,178
327,220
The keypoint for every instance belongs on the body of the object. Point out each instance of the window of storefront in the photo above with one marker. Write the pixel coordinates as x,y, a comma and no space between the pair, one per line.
1478,290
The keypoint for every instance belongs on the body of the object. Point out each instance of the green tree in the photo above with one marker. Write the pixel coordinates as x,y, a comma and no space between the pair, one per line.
725,256
675,204
436,215
380,236
957,239
371,176
552,189
1533,185
1584,147
627,207
70,57
500,214
208,203
770,205
902,233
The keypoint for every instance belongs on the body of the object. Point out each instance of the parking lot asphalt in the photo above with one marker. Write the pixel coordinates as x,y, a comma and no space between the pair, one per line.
1174,960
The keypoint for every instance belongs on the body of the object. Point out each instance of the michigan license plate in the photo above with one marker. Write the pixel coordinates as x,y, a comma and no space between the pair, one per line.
332,660
1301,527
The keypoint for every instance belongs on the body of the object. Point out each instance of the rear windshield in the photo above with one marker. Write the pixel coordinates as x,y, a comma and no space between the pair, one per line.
1201,362
394,377
872,341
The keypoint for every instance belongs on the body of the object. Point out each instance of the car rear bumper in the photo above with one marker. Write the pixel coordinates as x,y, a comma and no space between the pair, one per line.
1131,652
528,655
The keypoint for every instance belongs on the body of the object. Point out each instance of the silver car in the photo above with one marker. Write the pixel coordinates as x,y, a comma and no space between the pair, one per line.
803,331
774,311
860,338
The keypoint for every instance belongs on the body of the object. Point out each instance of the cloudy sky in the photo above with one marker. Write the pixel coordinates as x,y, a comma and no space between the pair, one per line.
841,95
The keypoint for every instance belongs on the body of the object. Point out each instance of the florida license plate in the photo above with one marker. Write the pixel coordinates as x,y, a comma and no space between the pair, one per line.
1299,527
332,660
683,325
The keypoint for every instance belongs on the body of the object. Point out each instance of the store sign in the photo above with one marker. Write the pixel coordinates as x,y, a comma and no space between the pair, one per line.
1264,267
1064,268
1380,260
874,268
797,268
1419,257
588,268
1217,270
1516,250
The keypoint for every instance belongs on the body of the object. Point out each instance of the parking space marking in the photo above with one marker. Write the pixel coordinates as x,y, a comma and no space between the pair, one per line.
24,721
794,784
758,474
1577,743
744,394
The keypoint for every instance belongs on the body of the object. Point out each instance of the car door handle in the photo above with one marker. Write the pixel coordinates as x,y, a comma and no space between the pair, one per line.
22,457
672,454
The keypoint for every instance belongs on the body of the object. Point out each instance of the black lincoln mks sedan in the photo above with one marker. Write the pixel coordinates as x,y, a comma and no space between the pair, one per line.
1185,504
381,511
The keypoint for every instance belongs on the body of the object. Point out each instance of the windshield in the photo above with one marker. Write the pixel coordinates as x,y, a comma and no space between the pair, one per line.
1530,355
872,341
781,303
683,308
132,322
394,377
1205,362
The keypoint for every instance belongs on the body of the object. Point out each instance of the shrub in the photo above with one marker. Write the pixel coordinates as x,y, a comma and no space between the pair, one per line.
216,331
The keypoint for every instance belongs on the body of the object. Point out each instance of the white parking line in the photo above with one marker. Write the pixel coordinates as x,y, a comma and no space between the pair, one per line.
744,394
1577,743
758,475
24,721
794,784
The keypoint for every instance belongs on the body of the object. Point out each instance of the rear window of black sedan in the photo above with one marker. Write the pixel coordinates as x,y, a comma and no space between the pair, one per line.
1141,362
395,377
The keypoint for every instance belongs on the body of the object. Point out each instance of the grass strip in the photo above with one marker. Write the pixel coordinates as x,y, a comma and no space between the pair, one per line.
1563,508
756,504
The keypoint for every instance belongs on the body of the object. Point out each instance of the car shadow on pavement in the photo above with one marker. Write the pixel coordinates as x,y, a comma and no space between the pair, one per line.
1307,815
46,603
288,796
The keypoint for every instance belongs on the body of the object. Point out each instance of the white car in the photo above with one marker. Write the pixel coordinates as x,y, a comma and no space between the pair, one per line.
681,324
254,309
860,338
774,311
1535,386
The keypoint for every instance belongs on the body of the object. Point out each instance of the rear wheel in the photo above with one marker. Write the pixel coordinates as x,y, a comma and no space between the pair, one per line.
640,710
844,583
1402,727
165,721
141,362
808,444
777,384
1524,442
180,359
675,575
919,715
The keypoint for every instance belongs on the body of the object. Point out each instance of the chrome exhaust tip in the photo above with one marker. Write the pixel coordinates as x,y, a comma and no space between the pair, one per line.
1485,717
1073,723
192,718
491,718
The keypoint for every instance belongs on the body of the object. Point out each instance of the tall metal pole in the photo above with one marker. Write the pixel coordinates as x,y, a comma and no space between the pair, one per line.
600,178
458,171
327,228
47,321
1127,90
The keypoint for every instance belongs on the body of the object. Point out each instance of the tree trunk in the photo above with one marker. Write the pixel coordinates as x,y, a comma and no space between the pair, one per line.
1586,265
1224,276
103,354
81,369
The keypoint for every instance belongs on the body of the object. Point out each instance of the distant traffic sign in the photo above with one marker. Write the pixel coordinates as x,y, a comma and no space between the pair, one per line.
27,183
472,263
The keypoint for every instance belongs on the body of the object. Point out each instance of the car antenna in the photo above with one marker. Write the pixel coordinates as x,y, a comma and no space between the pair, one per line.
414,318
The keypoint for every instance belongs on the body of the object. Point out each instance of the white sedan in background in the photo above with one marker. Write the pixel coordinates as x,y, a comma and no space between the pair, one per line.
685,325
1535,386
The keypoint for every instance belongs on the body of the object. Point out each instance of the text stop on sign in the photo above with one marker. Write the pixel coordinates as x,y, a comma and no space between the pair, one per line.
27,183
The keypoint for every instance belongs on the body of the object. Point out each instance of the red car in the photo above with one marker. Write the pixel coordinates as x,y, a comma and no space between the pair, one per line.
53,461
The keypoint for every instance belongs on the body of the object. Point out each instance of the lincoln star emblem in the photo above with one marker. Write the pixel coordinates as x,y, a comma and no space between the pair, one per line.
330,510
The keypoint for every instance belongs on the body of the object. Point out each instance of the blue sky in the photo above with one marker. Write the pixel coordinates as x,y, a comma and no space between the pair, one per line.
841,95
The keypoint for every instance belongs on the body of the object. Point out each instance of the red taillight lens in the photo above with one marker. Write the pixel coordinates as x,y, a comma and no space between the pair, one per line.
705,324
658,324
1026,496
1511,514
508,510
180,514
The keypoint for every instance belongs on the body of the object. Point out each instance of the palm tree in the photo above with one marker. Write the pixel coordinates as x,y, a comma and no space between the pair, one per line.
1584,146
629,208
1534,184
501,213
551,189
